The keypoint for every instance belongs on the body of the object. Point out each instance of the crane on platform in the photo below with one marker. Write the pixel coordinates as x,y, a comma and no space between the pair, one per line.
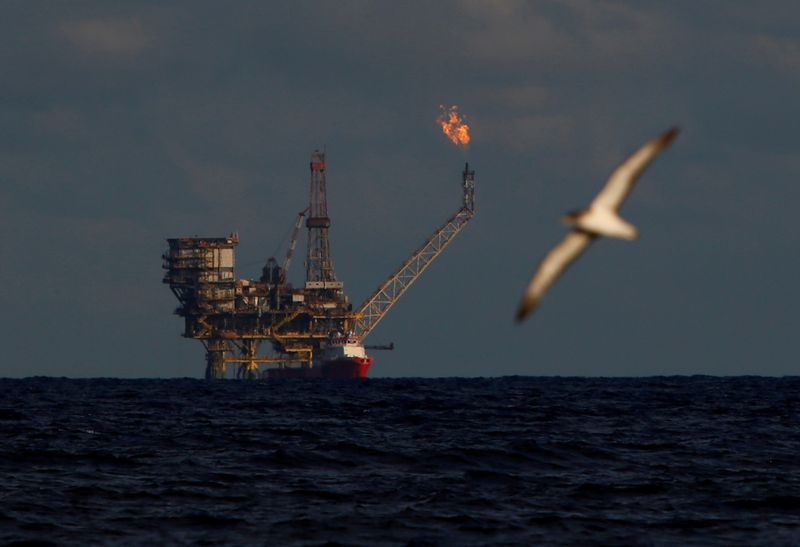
277,274
292,244
377,305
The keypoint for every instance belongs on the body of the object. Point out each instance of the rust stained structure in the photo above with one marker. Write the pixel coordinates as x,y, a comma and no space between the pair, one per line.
234,317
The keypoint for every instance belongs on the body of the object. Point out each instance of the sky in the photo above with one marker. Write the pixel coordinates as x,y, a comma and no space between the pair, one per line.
125,123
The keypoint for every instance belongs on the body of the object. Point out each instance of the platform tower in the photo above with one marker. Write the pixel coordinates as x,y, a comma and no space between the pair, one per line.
319,267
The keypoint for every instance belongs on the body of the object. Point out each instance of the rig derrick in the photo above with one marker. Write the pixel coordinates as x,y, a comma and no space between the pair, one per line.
313,330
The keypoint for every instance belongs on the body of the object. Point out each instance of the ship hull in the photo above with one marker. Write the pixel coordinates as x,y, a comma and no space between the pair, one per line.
337,369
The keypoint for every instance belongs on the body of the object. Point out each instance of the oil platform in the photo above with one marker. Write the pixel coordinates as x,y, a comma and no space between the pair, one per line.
314,331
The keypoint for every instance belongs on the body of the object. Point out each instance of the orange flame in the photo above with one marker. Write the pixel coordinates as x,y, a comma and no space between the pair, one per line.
453,125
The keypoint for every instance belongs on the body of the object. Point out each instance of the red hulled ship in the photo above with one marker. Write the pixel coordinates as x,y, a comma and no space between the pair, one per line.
343,358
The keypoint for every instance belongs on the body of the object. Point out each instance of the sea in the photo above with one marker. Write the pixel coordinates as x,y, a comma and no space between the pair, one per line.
453,461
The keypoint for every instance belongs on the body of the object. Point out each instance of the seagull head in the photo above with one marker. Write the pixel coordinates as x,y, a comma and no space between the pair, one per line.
572,217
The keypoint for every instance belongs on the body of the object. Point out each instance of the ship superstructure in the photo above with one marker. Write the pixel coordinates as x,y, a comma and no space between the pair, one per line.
313,331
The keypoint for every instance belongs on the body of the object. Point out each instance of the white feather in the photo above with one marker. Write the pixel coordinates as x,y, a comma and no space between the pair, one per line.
601,218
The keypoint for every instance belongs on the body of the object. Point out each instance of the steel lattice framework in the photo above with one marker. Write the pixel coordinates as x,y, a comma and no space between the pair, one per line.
378,304
319,267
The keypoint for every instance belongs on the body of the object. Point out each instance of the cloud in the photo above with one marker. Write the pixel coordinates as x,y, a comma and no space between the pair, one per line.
568,34
529,132
517,96
107,37
514,32
69,123
215,182
781,53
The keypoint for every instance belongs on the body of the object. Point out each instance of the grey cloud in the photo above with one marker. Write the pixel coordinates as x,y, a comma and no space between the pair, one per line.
107,37
525,132
782,53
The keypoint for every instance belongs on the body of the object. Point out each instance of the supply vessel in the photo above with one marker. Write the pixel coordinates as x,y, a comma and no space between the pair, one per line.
313,331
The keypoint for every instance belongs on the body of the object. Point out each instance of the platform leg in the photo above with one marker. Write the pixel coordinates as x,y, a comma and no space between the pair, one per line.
249,369
215,359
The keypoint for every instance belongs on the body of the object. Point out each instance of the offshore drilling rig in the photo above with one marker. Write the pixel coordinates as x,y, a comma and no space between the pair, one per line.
313,330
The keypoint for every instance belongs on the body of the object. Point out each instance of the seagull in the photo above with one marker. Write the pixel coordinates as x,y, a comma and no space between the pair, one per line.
601,218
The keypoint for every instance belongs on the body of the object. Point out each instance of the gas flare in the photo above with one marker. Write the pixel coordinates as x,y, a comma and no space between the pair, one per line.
453,125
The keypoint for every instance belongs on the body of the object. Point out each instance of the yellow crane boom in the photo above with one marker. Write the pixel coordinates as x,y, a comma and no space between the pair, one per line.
380,302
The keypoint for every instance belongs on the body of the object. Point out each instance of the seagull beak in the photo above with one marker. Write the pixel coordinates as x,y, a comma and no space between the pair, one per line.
571,217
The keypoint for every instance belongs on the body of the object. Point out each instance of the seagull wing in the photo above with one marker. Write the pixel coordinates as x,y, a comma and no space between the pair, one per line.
623,178
556,261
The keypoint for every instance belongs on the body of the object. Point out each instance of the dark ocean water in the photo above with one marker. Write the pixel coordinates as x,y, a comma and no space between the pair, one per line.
520,460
